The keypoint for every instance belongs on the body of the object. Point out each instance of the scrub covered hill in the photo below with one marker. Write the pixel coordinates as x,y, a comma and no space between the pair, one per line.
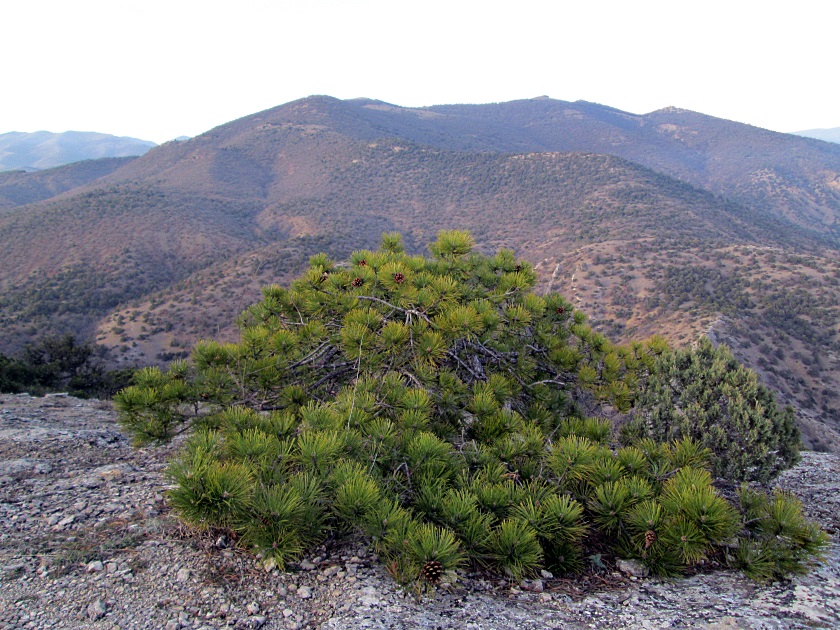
669,222
18,188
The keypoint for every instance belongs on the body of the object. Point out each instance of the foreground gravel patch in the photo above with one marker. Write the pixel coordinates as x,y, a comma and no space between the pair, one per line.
87,541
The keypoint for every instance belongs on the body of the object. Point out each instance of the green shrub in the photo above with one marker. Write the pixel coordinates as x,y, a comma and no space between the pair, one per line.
439,408
705,394
60,363
778,539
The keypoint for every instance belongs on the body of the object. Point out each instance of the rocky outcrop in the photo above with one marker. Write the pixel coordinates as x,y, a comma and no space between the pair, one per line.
87,541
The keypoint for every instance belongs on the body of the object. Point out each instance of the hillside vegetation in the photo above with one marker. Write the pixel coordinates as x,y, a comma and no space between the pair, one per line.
670,222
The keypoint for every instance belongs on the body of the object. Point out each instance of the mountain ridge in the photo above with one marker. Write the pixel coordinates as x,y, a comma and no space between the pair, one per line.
20,187
670,221
43,149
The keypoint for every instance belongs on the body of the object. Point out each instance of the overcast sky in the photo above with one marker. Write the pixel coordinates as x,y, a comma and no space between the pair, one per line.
157,69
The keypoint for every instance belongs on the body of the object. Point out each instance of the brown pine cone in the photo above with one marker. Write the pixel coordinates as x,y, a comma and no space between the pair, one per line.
432,571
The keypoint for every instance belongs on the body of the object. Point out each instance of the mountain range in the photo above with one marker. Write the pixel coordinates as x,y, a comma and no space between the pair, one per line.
829,135
42,149
671,222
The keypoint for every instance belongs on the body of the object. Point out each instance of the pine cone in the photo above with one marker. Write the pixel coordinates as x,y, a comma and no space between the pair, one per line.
560,310
357,282
432,571
399,278
650,538
362,263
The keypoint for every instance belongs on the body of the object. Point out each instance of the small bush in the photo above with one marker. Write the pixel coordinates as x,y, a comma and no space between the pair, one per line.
705,394
778,540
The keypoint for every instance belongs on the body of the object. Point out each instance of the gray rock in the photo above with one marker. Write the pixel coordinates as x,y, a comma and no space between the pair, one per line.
94,567
96,610
16,466
304,592
369,597
42,468
14,569
632,567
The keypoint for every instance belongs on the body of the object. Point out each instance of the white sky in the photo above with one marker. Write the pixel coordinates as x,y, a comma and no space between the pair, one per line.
157,69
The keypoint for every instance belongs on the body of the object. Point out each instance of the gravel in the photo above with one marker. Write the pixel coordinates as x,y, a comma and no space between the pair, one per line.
88,541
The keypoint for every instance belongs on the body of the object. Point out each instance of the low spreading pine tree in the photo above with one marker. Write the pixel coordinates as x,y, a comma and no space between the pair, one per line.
441,409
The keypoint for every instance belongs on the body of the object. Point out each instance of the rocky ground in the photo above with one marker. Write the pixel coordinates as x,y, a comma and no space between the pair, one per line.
87,541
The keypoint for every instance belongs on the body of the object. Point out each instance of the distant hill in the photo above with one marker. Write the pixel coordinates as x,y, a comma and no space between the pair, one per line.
42,149
18,188
829,135
671,222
